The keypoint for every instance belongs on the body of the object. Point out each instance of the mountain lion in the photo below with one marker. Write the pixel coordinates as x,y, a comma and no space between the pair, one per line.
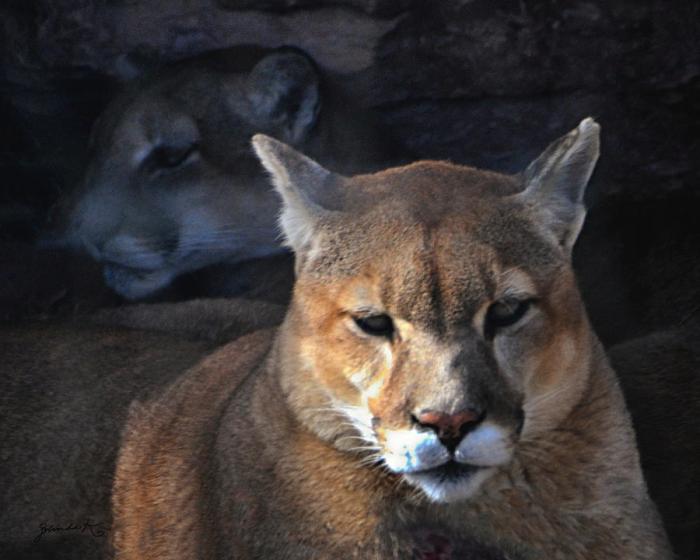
173,185
435,386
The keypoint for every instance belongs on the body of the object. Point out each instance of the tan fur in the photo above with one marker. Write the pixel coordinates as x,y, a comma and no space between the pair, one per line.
253,453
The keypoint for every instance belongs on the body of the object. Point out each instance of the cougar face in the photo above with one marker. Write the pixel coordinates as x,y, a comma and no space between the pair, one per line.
440,328
435,348
173,184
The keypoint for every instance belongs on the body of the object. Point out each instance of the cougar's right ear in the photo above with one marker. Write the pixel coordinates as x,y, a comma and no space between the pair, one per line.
284,92
308,191
556,181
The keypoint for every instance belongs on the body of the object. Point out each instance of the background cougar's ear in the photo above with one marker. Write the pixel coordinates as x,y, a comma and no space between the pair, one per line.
284,93
556,181
308,193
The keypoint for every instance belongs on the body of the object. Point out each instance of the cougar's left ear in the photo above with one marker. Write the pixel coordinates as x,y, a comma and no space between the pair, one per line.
556,181
309,192
284,93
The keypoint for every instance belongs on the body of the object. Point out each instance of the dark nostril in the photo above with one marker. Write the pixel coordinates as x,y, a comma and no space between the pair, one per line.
450,428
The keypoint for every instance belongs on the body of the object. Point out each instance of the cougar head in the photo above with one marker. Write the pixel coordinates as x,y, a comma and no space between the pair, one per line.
435,324
173,184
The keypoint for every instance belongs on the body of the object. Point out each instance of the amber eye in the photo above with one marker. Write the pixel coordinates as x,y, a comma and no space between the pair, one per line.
376,325
504,313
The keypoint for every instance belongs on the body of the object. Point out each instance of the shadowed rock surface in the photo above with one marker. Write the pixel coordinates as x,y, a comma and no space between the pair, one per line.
477,81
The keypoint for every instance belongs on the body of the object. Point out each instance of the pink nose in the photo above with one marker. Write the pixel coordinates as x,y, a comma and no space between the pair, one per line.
450,428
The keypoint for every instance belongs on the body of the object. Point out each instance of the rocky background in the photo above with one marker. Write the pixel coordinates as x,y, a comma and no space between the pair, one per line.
484,82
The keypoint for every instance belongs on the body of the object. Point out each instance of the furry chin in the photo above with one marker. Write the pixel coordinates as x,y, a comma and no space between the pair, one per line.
440,489
131,285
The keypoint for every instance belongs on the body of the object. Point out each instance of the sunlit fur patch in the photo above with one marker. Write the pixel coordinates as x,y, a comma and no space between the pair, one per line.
369,380
487,446
360,418
411,450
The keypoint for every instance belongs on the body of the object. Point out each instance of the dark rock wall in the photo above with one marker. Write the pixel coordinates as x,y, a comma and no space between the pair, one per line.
486,82
481,81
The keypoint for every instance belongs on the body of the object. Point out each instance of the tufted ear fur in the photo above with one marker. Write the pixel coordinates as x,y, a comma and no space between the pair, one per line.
284,93
556,181
306,189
